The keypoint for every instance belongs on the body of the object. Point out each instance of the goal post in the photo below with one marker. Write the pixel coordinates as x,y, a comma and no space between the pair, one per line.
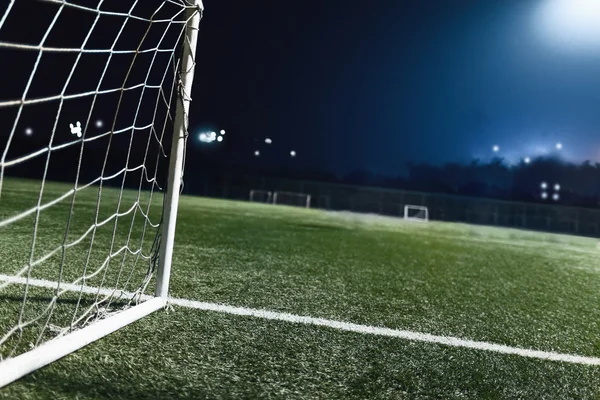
292,199
85,258
175,177
416,213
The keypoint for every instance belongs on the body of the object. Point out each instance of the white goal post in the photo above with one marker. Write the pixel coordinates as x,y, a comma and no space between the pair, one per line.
416,213
292,199
82,259
261,196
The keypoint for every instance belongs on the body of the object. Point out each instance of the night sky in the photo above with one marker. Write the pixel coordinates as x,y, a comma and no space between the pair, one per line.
350,84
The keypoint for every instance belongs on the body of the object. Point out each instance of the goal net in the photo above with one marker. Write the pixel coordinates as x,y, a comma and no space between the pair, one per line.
94,98
261,196
292,199
416,213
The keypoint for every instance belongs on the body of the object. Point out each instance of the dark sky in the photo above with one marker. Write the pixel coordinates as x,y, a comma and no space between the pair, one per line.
346,84
352,84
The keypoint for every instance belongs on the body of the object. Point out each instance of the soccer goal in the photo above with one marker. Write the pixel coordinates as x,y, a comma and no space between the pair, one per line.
261,196
416,213
292,199
94,103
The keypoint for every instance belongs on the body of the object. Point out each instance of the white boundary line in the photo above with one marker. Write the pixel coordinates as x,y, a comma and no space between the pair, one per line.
339,325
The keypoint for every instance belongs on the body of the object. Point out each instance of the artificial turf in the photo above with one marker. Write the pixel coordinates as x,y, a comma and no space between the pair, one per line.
511,287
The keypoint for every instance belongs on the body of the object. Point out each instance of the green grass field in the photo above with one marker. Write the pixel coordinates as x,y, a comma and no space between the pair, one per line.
521,289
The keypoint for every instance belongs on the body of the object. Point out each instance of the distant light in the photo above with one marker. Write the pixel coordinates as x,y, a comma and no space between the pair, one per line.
268,141
544,185
220,139
293,153
28,131
213,135
527,160
206,137
555,197
544,195
496,148
222,131
558,146
256,153
557,187
99,123
76,129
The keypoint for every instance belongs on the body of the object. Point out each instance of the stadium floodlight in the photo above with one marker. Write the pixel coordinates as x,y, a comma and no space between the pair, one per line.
416,213
573,25
220,139
110,263
28,131
543,185
292,199
268,141
527,160
76,129
559,146
555,197
557,187
261,196
544,195
293,153
222,131
256,153
496,148
99,123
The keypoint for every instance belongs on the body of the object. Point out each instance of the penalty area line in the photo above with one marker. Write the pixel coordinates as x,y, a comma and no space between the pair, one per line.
328,323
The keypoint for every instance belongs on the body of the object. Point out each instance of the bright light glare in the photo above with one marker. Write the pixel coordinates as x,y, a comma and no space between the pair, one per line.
557,187
544,195
571,24
257,153
207,137
496,148
558,146
527,160
220,139
222,131
28,131
268,141
99,123
544,185
555,197
293,153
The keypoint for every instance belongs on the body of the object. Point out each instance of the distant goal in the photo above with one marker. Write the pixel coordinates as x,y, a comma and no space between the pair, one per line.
416,213
261,196
292,199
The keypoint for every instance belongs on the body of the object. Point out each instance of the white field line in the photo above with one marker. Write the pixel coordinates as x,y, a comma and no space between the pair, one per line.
339,325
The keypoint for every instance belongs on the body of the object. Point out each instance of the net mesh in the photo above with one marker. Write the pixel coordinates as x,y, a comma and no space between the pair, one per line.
87,103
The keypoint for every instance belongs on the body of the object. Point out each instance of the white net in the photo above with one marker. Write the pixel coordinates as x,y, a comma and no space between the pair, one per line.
88,94
292,199
261,196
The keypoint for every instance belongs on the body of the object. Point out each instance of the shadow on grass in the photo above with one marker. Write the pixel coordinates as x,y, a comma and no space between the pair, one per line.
319,227
90,383
85,302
